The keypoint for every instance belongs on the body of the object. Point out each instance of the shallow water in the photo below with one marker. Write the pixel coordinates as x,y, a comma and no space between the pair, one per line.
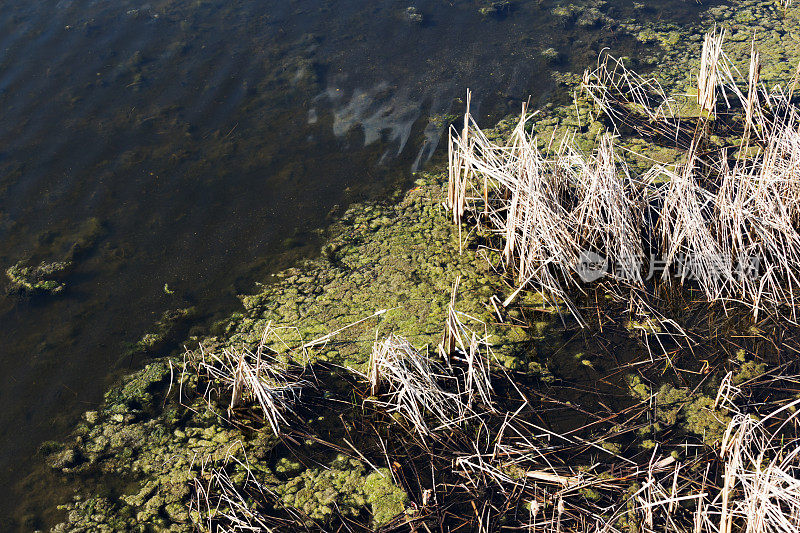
204,144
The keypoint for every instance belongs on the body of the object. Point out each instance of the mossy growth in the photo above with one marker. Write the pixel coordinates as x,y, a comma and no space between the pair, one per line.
169,327
404,258
42,279
704,420
680,408
342,488
413,15
494,7
646,324
137,388
638,388
590,494
98,506
47,278
629,520
287,467
748,369
386,499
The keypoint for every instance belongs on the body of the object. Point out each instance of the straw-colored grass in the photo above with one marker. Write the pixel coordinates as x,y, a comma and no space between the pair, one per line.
411,381
257,378
728,230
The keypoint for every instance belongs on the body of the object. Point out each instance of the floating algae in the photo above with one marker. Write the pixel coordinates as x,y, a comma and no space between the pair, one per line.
48,277
41,279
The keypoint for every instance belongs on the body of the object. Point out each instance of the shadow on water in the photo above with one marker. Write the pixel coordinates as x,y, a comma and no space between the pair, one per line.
206,144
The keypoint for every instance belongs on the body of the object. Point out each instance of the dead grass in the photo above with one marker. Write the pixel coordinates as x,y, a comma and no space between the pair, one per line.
707,223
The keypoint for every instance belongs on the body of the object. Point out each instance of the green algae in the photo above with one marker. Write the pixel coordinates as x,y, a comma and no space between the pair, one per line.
748,369
343,487
692,411
413,15
161,457
402,257
157,456
494,7
318,492
37,280
48,276
171,327
706,421
136,389
386,499
676,407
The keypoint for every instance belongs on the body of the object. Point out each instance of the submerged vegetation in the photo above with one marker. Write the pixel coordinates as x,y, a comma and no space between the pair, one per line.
497,352
41,279
48,276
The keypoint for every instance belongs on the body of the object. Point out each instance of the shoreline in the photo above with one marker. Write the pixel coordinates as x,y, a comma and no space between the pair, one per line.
372,262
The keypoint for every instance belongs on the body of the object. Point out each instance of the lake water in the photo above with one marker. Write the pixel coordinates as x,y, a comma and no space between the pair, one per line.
194,147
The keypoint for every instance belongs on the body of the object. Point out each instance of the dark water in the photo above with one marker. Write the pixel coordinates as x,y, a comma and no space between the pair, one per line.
193,147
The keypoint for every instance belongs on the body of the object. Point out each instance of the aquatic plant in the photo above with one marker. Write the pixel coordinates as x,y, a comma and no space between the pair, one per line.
259,377
44,278
571,218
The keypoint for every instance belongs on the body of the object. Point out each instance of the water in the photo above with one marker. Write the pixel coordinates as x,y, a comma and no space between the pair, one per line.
196,146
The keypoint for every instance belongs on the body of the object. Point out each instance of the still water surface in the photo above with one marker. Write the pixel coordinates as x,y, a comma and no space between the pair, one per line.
196,146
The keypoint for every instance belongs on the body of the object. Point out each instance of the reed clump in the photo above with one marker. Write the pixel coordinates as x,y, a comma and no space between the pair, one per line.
257,378
722,221
433,394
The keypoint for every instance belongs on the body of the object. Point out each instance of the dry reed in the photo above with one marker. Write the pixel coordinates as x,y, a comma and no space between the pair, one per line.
728,230
259,377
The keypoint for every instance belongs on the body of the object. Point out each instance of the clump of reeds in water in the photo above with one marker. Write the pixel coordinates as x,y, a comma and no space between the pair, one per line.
256,377
411,383
219,500
447,390
710,221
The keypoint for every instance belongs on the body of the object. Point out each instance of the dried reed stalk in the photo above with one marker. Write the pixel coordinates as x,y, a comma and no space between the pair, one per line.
729,230
618,92
707,77
254,376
